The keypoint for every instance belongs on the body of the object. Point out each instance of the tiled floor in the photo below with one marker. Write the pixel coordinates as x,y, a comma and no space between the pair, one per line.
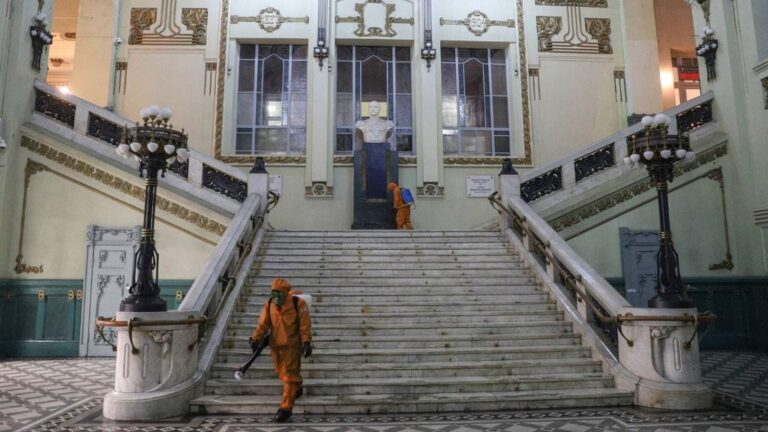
66,395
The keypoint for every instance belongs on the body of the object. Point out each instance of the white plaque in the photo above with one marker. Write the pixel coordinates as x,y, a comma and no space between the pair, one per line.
276,184
480,186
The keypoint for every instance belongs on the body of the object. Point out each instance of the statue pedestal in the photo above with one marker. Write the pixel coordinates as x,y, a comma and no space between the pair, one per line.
375,167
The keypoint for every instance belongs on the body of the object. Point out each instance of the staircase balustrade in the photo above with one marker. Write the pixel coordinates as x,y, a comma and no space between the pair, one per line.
652,351
568,175
86,119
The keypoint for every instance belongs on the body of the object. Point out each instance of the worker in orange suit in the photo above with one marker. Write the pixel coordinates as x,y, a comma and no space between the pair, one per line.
403,211
287,322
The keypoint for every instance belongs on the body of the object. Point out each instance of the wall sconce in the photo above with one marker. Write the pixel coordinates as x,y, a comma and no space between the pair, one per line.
321,51
41,38
708,49
428,53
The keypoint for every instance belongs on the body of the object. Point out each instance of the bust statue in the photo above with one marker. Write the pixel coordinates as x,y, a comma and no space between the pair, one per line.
374,129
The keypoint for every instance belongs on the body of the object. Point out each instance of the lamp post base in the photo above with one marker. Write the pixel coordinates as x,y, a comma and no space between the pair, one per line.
143,304
671,301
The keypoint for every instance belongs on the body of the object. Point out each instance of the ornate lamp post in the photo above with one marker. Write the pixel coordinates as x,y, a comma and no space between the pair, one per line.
659,151
153,145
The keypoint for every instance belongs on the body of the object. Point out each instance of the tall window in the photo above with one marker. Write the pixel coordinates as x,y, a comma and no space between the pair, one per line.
366,74
272,99
475,103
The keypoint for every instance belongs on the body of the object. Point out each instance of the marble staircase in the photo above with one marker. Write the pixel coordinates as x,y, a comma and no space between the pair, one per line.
411,322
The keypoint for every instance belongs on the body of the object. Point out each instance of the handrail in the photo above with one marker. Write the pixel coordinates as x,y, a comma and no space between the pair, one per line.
616,137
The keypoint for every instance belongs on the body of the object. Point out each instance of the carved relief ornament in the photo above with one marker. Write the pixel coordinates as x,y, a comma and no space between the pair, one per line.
365,29
600,30
168,31
579,3
269,19
546,27
478,23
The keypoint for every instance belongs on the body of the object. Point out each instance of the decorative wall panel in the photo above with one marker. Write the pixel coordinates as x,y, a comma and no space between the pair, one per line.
269,19
371,28
620,85
581,3
121,77
478,23
594,37
148,27
210,78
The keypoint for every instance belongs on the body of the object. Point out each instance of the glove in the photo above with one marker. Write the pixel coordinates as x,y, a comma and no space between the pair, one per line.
306,349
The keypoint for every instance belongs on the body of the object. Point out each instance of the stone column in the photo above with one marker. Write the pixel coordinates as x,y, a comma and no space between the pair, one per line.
150,362
641,57
665,356
94,51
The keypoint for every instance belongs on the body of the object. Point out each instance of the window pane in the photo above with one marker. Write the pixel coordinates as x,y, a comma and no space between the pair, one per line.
474,112
299,52
273,75
500,112
247,51
272,110
280,51
499,83
450,112
374,80
271,140
403,71
448,54
243,142
502,145
344,110
344,77
299,76
498,56
298,141
450,144
404,116
343,142
245,109
448,71
476,142
344,52
298,109
245,75
403,54
405,143
473,78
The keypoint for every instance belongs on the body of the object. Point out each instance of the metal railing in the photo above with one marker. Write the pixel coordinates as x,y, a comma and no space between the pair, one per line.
98,123
605,308
568,173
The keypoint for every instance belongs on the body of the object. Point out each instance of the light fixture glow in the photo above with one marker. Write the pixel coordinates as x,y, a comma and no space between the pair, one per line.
64,89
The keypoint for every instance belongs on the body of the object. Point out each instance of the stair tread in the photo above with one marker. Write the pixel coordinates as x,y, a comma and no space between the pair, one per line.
418,398
575,361
416,351
434,326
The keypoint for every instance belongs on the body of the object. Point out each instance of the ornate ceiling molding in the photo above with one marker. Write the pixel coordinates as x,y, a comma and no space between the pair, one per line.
579,3
478,23
366,29
168,31
123,186
269,19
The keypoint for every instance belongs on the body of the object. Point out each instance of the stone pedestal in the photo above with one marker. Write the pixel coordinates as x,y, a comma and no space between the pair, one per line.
147,370
375,167
665,356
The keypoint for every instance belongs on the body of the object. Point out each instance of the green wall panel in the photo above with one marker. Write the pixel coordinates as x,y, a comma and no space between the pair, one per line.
49,327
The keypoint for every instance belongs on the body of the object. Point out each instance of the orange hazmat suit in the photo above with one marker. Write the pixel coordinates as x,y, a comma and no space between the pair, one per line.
290,327
403,211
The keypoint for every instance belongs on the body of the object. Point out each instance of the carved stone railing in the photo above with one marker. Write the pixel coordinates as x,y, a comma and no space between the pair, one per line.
572,174
652,352
211,299
94,130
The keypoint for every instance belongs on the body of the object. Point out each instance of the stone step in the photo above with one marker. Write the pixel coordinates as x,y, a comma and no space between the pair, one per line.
427,296
426,385
374,274
262,368
378,292
384,246
407,356
437,319
386,240
424,341
537,327
315,252
413,403
267,257
392,282
435,307
386,266
384,234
